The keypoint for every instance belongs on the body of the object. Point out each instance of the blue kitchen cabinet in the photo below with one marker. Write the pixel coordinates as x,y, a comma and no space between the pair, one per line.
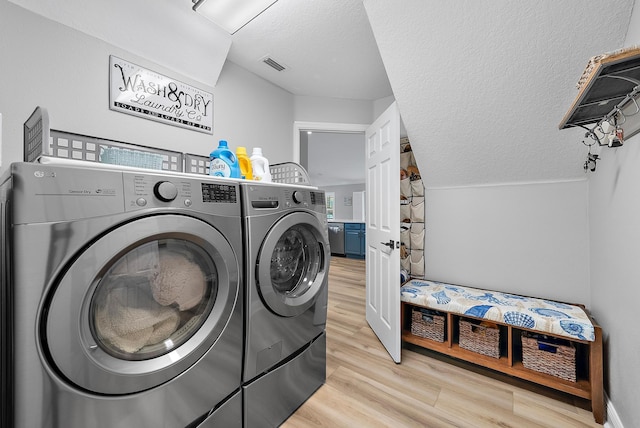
354,240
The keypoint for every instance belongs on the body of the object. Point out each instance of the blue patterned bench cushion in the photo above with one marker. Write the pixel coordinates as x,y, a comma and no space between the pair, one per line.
536,314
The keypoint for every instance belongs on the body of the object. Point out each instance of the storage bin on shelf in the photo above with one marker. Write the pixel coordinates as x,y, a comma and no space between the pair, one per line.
481,337
427,323
553,356
41,143
516,317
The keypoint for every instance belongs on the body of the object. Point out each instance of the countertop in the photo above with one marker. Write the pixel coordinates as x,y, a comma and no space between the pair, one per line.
341,220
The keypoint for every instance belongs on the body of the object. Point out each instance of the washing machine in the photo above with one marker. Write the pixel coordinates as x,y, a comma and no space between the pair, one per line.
287,264
122,299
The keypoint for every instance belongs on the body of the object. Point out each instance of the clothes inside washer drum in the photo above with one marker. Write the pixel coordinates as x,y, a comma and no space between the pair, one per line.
130,320
178,281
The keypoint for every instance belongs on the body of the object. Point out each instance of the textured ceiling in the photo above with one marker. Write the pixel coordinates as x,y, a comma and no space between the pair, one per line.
482,85
327,46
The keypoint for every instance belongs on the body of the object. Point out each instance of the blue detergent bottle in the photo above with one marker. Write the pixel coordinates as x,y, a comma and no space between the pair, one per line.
223,162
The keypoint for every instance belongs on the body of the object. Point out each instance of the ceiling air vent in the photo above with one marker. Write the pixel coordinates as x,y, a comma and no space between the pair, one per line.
273,63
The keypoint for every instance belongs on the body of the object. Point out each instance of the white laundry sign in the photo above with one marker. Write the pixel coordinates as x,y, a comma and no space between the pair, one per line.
140,92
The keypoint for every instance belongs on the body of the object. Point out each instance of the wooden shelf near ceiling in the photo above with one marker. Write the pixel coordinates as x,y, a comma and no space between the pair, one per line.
603,90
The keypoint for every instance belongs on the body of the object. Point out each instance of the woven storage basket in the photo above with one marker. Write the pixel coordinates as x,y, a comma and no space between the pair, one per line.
428,324
551,356
480,339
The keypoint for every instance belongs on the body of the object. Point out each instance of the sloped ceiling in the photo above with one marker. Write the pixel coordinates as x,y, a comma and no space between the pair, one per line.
326,45
167,32
482,85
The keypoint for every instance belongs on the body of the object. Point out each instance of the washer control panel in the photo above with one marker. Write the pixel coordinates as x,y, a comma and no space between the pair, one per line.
206,195
225,193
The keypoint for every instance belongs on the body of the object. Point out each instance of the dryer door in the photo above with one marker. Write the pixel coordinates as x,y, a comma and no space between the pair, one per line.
141,304
293,263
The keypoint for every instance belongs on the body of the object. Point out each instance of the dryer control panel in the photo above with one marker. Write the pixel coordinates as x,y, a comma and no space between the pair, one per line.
263,198
313,200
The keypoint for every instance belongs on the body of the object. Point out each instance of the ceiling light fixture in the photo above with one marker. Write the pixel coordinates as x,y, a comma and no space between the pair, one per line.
231,15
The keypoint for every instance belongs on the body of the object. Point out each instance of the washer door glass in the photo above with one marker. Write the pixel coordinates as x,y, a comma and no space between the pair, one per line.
141,304
292,264
153,299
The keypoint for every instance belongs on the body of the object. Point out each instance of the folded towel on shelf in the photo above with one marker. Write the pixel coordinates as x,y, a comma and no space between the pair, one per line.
178,280
128,157
130,319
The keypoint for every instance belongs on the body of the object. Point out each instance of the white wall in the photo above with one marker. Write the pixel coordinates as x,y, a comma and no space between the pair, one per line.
252,112
328,115
335,158
615,271
614,211
332,110
529,239
166,32
342,211
0,140
380,105
48,64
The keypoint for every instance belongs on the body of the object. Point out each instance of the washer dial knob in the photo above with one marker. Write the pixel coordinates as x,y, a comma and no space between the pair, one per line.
297,197
166,191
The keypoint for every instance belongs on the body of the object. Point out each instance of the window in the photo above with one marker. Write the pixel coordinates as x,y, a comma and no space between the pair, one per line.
331,204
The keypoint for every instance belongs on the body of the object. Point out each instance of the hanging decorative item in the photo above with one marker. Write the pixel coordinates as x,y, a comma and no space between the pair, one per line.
590,163
608,131
616,139
144,93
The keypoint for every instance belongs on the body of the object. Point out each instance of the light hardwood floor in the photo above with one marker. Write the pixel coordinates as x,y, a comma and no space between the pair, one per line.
365,388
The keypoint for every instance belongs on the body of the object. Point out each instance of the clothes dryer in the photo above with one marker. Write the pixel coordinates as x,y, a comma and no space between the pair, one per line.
287,260
122,298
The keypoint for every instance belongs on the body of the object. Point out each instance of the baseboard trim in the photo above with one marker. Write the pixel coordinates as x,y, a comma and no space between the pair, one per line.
613,420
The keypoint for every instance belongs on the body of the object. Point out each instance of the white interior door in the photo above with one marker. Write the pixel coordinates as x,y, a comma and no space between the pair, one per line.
383,229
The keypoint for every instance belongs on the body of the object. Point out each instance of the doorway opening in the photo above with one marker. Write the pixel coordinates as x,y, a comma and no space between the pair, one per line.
334,156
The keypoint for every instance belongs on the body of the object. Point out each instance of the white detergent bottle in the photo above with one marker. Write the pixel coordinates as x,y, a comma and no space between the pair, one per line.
260,166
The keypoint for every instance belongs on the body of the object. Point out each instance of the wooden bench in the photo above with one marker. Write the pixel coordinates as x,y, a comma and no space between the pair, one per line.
515,317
